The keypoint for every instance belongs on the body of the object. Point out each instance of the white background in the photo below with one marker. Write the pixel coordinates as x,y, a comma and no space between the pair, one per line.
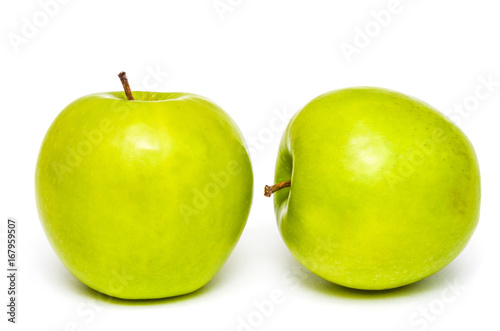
260,59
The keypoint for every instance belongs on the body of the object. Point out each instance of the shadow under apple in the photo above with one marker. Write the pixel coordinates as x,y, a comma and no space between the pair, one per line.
85,291
461,270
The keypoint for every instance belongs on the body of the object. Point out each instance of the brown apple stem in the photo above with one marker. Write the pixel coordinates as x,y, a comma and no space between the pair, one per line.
126,86
269,190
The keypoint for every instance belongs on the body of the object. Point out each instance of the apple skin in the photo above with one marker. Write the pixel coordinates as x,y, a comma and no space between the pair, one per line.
143,199
385,190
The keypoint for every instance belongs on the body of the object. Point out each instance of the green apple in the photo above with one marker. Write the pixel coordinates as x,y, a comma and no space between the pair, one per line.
375,189
143,198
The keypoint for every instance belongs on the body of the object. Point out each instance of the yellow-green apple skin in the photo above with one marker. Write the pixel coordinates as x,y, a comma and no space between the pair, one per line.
143,199
385,190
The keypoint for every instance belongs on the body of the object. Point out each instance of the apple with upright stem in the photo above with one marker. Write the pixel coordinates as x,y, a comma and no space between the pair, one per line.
143,195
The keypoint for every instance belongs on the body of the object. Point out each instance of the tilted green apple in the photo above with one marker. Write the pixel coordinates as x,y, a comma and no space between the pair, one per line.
375,189
143,198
